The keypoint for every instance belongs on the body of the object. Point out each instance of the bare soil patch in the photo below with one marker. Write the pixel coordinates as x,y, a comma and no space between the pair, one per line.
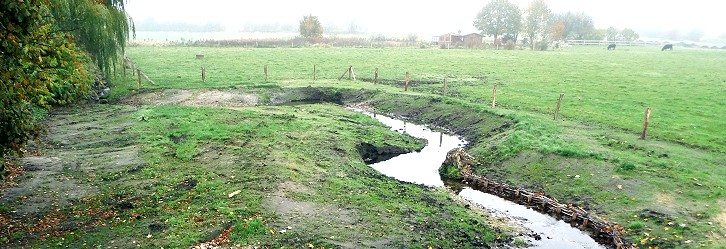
314,219
82,145
193,97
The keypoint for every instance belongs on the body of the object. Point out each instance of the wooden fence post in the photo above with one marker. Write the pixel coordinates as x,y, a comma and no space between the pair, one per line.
408,79
351,74
645,124
444,86
494,97
344,73
265,73
557,110
138,72
204,74
315,72
375,77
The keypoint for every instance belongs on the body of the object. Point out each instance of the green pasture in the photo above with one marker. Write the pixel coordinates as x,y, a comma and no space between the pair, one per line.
666,191
280,177
684,88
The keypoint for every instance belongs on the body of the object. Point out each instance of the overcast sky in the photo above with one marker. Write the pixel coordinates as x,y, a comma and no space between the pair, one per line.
431,17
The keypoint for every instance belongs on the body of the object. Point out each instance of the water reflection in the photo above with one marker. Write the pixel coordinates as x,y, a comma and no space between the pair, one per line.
422,168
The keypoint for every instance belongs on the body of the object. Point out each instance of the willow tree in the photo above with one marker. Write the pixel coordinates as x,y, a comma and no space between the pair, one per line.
42,64
101,27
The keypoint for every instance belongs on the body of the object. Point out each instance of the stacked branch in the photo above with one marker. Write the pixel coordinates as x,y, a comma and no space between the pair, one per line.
574,215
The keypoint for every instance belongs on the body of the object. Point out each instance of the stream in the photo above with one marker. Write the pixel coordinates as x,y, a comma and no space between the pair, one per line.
422,168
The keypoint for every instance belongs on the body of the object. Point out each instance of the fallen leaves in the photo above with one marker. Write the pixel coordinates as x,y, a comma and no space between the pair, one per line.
222,239
14,171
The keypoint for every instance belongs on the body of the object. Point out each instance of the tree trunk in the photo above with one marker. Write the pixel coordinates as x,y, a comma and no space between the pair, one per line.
496,41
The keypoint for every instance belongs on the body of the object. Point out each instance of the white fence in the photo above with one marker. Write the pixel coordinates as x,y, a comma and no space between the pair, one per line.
619,43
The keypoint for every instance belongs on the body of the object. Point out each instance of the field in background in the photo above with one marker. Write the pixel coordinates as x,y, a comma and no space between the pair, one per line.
613,88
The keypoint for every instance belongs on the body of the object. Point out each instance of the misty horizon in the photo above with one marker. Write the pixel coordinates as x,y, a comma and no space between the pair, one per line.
652,19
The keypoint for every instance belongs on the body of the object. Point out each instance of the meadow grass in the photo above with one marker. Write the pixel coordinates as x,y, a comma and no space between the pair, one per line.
666,190
279,158
684,87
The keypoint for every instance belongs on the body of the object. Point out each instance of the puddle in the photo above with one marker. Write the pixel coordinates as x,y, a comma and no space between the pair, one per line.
422,168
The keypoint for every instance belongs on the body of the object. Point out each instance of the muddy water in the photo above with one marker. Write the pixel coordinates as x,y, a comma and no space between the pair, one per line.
422,168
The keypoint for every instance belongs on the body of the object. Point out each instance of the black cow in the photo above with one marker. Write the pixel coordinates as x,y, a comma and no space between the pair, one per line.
667,47
611,46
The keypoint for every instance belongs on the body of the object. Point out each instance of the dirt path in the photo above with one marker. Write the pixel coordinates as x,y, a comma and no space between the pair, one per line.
198,97
82,145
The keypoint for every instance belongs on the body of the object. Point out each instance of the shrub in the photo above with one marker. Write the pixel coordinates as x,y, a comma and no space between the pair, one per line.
542,46
448,171
509,45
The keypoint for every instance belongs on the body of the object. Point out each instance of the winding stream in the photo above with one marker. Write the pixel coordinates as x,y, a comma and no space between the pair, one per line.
422,168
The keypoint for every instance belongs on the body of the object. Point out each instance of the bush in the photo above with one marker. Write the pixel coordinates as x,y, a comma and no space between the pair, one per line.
448,171
542,46
35,74
509,45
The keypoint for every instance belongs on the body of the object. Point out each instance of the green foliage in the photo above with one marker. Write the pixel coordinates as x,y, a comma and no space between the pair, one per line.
577,26
499,17
43,67
612,34
536,24
99,27
44,64
629,35
450,172
310,27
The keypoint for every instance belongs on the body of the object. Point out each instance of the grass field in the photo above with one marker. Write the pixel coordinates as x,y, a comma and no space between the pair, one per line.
161,172
177,176
685,87
667,190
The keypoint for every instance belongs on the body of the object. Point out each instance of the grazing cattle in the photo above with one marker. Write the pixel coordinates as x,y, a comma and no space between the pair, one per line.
667,47
611,46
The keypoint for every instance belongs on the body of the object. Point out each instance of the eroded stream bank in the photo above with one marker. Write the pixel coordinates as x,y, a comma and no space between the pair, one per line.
270,176
422,168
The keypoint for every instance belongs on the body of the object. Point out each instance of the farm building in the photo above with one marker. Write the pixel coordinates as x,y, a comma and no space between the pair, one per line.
450,40
473,40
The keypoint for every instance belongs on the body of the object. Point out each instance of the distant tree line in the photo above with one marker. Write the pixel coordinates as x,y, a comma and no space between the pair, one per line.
268,27
153,25
613,34
505,22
